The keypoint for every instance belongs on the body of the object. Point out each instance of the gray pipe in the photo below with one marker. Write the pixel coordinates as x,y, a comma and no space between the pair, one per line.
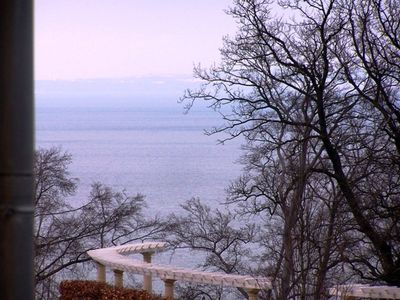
16,150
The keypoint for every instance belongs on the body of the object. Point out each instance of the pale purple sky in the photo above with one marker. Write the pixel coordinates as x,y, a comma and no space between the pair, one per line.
81,39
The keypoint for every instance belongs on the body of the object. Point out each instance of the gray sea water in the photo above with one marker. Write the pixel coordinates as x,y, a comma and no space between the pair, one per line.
155,150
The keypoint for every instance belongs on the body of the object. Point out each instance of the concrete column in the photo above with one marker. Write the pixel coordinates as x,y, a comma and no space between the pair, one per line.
118,278
101,272
252,293
16,151
169,289
147,280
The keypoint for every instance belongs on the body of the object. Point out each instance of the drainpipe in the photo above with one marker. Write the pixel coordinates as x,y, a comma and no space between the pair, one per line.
16,150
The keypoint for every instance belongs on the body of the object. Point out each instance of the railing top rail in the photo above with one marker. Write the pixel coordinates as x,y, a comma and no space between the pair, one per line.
137,248
115,258
366,291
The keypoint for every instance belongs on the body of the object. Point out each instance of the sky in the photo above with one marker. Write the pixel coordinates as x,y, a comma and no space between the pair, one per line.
92,39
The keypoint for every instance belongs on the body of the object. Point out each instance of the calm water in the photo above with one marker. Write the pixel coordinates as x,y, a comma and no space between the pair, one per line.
157,151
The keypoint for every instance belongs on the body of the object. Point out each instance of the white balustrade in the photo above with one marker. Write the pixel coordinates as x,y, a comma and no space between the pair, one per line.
354,291
117,259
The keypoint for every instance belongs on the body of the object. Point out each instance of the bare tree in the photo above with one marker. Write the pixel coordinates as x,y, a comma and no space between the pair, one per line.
302,223
200,292
64,232
225,241
371,66
316,98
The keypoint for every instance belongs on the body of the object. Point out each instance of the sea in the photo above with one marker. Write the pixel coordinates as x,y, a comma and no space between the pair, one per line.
156,150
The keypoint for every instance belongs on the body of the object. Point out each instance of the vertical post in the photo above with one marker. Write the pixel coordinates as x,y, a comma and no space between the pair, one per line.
252,293
147,279
16,151
119,278
169,289
101,272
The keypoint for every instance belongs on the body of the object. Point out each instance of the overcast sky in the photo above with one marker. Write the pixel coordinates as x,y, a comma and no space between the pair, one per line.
81,39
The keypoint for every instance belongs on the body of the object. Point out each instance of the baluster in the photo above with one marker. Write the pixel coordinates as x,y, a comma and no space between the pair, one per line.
118,278
101,272
169,289
147,279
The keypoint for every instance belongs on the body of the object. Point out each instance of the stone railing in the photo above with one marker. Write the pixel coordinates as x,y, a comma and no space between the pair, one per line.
116,258
356,291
